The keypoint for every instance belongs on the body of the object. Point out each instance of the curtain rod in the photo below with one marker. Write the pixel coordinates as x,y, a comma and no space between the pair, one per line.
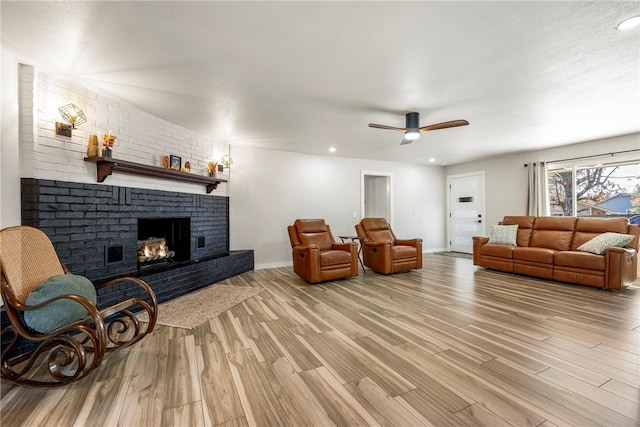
587,157
595,155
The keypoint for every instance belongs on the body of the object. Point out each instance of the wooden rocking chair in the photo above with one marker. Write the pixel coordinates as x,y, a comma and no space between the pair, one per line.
39,298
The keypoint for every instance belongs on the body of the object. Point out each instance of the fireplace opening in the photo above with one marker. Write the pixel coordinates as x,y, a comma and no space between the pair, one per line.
163,241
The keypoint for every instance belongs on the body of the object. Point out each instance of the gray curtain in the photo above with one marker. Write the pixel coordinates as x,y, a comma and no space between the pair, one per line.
537,200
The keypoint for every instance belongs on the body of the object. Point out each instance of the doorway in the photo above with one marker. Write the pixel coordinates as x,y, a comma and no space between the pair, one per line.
376,195
466,207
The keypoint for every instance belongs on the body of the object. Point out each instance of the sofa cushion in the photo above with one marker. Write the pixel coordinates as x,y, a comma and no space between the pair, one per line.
401,251
334,257
602,225
539,255
381,236
585,260
500,251
553,233
599,244
321,240
525,225
503,234
588,228
313,232
62,312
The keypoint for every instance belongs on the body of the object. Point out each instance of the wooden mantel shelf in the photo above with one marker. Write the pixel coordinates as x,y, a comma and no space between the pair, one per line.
106,165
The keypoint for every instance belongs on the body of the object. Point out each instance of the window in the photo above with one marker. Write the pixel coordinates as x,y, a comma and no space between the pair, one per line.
611,189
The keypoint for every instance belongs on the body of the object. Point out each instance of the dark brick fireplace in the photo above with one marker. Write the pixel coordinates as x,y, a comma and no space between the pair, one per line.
95,230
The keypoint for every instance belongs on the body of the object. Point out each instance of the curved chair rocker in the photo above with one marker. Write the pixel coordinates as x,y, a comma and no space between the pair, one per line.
57,334
383,252
316,255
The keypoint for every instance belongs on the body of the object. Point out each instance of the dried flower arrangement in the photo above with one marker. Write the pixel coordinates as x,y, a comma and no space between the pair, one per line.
108,140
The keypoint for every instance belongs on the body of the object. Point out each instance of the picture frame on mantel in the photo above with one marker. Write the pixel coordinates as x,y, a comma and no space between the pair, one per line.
175,162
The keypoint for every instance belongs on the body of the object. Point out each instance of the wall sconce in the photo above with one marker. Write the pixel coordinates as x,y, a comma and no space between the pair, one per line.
227,160
73,115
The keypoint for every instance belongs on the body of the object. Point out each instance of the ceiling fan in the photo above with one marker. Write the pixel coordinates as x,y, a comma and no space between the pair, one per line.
412,129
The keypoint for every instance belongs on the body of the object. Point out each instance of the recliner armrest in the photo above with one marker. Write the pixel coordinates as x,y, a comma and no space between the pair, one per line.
348,246
307,248
621,268
407,242
478,242
626,251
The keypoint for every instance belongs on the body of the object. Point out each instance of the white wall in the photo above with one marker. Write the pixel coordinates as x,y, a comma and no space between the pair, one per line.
506,176
141,137
9,152
270,189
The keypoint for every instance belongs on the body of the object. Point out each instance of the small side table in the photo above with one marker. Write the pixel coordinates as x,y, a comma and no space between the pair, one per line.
355,239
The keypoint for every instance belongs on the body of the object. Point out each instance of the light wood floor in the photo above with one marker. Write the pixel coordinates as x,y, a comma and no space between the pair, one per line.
450,345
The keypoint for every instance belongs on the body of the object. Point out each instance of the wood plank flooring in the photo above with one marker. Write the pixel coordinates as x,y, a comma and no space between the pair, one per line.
449,345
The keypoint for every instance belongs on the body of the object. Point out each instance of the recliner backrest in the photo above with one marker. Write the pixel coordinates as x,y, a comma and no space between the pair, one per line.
314,232
553,232
588,228
377,230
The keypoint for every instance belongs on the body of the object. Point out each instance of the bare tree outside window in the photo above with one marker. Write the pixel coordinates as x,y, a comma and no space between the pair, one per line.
561,192
600,190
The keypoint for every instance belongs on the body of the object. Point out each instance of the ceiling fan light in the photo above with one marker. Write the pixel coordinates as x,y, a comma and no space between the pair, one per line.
411,134
629,23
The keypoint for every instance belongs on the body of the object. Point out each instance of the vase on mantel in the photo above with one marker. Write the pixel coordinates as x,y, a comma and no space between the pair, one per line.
106,152
92,146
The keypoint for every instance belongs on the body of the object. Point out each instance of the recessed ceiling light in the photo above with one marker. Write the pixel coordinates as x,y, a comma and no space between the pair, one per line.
332,149
629,23
432,160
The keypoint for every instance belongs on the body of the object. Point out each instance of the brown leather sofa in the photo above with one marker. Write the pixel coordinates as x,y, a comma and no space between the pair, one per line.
383,252
547,247
316,255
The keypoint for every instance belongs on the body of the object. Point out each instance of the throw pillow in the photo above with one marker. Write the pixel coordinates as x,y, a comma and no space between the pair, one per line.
599,244
503,234
62,312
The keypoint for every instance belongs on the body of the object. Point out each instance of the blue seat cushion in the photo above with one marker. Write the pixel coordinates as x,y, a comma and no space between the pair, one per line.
62,312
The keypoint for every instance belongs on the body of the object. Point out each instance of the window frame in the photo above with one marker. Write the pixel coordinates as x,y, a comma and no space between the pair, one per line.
592,162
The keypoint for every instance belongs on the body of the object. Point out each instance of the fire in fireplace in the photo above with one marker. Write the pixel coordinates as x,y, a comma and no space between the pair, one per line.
153,250
163,240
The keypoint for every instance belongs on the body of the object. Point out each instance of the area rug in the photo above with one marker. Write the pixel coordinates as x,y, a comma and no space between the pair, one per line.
455,254
191,310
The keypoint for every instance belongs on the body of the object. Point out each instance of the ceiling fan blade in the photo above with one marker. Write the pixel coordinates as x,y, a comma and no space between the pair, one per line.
373,125
444,125
406,141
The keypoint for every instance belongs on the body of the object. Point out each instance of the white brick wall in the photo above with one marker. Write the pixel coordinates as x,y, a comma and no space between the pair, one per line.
141,137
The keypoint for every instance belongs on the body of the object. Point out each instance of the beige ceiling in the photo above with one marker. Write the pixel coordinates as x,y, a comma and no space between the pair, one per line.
304,76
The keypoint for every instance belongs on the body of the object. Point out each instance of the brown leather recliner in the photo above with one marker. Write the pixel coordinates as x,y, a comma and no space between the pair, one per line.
382,252
316,255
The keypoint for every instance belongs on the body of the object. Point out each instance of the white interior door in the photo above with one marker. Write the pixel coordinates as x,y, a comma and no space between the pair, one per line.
466,210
